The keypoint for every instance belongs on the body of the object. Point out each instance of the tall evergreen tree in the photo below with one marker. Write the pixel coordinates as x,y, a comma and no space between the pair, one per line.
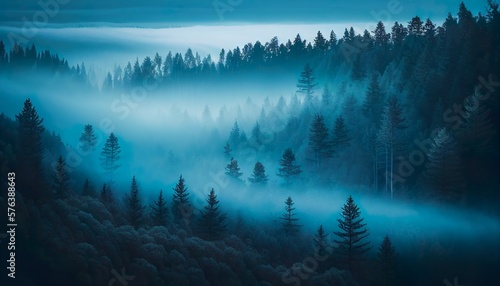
110,155
372,105
212,219
181,205
389,136
289,220
288,170
341,136
351,237
88,140
307,83
235,135
61,178
227,150
326,98
107,197
232,169
133,205
444,168
322,248
318,139
30,129
358,71
320,43
259,176
88,190
387,270
159,209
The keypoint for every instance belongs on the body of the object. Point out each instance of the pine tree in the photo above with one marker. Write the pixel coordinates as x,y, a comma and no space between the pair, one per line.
88,140
350,243
257,135
212,220
30,129
159,209
387,264
234,136
320,43
107,198
110,155
181,206
322,248
107,85
358,70
133,205
341,136
288,170
306,84
289,220
318,139
259,176
88,190
227,150
233,170
372,106
388,136
61,178
326,98
477,130
444,168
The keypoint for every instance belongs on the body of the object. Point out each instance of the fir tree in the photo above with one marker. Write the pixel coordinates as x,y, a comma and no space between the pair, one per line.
358,70
289,220
307,84
30,129
318,139
61,178
234,136
351,237
232,169
133,205
288,170
106,197
227,150
341,136
212,220
107,85
444,168
387,264
326,98
88,140
181,206
88,190
159,209
389,136
257,135
322,248
110,155
259,174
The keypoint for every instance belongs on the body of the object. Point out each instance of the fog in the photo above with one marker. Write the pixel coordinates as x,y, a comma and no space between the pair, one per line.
175,118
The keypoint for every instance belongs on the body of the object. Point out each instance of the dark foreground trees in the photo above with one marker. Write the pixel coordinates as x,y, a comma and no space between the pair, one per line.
181,205
212,219
289,218
29,127
351,239
133,206
288,169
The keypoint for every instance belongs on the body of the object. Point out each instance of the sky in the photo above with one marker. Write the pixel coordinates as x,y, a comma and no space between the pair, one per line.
183,12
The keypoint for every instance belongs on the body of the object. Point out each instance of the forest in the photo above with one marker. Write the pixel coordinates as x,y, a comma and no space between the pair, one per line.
356,159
